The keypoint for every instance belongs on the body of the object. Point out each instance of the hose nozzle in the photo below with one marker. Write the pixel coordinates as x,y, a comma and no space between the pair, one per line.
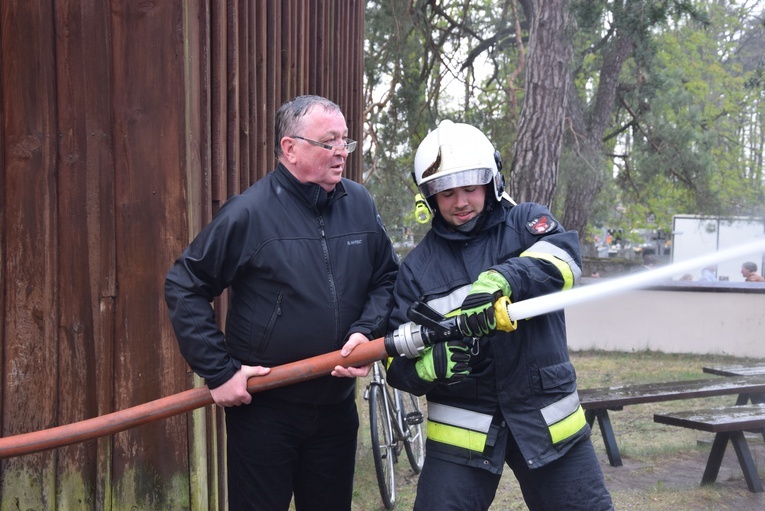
427,327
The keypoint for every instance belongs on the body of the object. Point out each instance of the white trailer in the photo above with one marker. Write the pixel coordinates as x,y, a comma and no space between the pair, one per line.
695,235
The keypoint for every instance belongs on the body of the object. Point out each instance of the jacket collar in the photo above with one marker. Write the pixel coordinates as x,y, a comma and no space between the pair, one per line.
311,194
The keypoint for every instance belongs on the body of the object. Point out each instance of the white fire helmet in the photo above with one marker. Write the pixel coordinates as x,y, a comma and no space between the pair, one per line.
455,155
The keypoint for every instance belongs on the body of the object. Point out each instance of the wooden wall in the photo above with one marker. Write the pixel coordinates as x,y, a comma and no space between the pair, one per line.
124,126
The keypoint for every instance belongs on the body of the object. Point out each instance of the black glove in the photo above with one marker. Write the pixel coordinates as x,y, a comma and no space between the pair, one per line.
444,362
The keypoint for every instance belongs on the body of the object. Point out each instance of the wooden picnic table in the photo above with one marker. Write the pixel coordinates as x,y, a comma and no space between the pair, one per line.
728,424
735,370
740,370
598,401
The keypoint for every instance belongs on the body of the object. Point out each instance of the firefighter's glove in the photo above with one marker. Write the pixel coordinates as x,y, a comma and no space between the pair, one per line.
477,310
444,362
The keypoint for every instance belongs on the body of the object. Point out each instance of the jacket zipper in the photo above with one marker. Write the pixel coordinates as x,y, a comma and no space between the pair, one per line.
330,279
263,344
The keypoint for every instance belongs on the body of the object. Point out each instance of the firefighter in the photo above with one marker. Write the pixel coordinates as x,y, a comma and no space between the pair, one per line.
494,397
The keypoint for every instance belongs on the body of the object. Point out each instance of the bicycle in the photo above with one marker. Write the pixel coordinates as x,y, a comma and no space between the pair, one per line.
395,423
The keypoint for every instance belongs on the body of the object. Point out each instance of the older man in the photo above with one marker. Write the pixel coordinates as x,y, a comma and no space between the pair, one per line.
311,270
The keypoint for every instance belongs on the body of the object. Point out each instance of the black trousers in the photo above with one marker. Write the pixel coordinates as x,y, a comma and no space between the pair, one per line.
573,482
277,449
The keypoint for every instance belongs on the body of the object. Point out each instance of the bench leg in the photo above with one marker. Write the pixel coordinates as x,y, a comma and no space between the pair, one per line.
746,461
738,440
715,458
744,399
612,449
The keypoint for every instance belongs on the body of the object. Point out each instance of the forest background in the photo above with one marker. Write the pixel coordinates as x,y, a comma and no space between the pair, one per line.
616,114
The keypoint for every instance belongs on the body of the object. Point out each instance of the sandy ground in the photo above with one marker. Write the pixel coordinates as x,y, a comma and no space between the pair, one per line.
681,471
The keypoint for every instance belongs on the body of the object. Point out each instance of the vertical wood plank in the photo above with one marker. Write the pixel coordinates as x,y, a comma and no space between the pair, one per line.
233,163
263,131
219,109
196,200
86,260
243,96
148,47
30,400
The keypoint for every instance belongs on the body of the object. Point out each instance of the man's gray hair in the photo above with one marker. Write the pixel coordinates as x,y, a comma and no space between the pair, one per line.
290,115
749,265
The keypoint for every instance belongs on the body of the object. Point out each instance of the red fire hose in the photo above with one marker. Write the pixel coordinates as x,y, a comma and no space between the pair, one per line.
186,401
324,364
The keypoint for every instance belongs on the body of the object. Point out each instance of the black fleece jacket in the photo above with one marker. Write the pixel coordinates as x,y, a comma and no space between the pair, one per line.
305,269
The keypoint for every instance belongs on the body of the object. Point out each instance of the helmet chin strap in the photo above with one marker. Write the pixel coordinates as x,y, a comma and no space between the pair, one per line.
469,225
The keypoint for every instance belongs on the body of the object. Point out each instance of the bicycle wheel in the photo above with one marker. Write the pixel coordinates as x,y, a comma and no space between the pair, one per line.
414,441
382,446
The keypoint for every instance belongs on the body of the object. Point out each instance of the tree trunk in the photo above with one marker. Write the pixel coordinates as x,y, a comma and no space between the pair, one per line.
536,152
586,128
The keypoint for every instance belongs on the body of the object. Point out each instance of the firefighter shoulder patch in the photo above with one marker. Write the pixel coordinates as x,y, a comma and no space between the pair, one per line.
541,225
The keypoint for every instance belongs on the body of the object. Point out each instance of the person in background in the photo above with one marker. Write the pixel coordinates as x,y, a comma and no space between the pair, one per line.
493,397
709,274
649,262
310,270
749,271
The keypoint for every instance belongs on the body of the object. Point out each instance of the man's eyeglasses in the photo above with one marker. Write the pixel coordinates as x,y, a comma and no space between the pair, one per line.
347,144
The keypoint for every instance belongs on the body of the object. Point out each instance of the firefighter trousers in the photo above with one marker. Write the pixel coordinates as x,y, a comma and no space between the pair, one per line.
572,483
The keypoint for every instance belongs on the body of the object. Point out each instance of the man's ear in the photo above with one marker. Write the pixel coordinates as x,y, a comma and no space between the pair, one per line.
288,149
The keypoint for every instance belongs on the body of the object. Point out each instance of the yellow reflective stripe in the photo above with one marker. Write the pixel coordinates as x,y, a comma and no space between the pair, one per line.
568,427
563,267
458,437
545,249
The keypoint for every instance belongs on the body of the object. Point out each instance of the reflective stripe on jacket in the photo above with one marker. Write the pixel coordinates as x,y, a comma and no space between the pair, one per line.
468,429
564,418
457,426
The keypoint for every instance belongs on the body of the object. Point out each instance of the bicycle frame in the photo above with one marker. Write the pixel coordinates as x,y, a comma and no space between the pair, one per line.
393,428
392,408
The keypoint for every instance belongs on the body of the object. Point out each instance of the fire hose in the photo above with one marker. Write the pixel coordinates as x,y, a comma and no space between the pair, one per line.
407,340
427,328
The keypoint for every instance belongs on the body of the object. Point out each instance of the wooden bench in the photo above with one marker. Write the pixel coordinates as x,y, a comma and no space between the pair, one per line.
728,423
598,401
735,370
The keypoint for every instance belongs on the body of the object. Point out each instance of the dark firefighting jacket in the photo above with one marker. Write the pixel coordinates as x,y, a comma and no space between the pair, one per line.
305,269
521,381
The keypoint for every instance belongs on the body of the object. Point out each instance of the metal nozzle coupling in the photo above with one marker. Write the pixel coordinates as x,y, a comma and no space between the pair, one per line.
427,328
406,340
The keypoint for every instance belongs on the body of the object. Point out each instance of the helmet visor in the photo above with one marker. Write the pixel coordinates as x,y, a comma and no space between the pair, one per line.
470,177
